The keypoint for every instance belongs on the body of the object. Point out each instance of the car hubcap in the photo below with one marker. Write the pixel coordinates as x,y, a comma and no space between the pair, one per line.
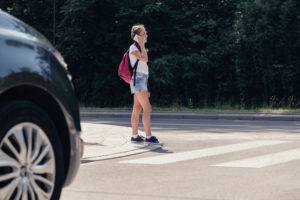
27,164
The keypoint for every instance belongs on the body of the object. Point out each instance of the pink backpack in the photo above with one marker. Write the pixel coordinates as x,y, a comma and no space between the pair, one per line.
126,71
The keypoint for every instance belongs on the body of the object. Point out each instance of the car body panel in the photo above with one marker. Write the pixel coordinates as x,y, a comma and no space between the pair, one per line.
28,58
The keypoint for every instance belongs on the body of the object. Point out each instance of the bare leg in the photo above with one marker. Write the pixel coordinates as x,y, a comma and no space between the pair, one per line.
143,99
137,108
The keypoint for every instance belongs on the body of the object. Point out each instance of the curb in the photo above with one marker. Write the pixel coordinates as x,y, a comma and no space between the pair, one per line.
109,144
227,116
120,154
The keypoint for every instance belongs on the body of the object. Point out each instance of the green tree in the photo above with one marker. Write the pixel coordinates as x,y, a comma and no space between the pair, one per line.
268,58
202,53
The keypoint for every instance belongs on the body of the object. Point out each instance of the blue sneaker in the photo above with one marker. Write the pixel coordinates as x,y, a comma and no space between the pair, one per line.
152,139
138,139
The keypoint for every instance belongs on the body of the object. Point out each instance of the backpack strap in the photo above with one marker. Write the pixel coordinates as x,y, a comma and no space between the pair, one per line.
136,63
134,71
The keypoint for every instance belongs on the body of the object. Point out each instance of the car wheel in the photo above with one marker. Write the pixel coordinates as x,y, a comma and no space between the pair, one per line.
31,159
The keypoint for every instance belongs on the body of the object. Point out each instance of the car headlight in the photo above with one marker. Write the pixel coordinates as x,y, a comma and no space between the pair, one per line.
61,60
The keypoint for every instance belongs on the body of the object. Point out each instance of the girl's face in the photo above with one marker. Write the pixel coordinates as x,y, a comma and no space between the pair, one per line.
143,33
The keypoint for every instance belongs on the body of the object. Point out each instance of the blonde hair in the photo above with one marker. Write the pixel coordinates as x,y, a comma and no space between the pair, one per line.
136,29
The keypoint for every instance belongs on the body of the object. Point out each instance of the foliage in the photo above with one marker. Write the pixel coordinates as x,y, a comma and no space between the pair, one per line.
202,53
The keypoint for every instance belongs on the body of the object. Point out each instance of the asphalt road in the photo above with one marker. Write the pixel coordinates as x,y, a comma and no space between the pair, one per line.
201,159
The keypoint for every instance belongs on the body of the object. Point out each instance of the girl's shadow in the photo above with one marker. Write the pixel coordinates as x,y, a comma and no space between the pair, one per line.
161,150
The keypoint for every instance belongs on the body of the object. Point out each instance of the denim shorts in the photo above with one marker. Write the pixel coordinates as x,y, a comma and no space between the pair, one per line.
141,83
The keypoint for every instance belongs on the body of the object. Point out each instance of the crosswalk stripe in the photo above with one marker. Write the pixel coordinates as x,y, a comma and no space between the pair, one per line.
213,151
265,160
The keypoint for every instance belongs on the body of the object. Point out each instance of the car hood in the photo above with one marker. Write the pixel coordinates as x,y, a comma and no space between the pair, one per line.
14,27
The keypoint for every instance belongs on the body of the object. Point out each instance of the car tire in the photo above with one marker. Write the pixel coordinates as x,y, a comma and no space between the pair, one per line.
31,156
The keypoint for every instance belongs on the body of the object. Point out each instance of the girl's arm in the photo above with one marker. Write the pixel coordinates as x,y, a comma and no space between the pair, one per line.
143,55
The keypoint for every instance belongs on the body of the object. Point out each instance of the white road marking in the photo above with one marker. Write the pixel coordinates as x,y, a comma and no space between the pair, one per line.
265,160
213,151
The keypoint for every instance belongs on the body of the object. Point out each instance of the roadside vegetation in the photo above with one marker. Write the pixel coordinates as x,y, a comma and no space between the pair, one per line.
204,55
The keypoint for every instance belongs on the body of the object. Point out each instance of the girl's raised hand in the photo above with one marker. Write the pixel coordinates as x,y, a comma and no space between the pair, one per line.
141,40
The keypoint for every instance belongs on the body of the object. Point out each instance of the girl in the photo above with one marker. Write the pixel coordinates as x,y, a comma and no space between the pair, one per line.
139,89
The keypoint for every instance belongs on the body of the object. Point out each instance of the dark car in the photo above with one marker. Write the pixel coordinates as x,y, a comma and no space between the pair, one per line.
40,145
